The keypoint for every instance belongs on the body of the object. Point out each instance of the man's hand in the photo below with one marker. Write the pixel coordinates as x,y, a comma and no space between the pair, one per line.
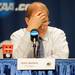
36,20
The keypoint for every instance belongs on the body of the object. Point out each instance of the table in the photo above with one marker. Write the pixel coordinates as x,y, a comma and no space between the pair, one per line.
63,67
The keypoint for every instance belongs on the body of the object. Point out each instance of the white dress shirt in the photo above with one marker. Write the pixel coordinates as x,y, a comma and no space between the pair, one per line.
55,44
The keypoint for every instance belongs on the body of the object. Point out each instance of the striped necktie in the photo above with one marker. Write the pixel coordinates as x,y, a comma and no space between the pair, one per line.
40,48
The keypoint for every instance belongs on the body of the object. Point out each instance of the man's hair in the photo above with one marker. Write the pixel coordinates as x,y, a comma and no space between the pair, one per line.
30,8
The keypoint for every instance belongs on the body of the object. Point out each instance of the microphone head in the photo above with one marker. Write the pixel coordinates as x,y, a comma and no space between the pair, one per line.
34,35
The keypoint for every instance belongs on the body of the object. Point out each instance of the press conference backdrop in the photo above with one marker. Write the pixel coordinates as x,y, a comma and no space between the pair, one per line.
62,15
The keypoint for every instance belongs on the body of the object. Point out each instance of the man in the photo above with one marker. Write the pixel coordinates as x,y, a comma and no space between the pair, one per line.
54,40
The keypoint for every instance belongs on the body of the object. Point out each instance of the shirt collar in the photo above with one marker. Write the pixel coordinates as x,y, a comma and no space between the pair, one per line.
45,38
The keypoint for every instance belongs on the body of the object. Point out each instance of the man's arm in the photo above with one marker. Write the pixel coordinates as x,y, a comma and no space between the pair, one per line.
60,45
19,40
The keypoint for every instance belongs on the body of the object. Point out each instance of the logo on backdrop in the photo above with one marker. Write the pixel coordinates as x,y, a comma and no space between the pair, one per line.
8,6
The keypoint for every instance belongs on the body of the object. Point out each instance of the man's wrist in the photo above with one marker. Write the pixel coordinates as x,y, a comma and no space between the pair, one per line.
28,29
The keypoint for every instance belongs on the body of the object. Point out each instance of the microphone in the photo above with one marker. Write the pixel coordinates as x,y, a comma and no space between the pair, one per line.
34,34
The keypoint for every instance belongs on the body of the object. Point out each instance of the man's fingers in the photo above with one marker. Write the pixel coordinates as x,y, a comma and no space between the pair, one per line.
42,14
38,13
46,23
43,17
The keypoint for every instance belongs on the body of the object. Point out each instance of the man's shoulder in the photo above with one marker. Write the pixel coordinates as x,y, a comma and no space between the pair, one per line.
19,32
55,30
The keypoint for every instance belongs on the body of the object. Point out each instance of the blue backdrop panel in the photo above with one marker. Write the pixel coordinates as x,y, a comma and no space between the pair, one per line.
62,67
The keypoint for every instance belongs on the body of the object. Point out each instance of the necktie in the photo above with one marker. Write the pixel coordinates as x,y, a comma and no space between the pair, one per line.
40,48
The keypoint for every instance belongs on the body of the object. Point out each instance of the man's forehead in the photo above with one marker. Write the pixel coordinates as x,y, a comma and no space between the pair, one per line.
37,6
40,10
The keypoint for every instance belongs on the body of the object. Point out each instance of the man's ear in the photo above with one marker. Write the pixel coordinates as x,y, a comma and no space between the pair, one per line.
26,20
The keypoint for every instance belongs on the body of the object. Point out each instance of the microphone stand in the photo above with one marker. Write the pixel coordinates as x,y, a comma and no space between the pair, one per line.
34,47
34,38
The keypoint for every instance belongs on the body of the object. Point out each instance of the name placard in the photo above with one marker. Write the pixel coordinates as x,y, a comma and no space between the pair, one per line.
35,64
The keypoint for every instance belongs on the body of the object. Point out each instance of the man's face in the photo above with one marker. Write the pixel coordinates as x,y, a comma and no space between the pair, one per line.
38,18
44,25
42,11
